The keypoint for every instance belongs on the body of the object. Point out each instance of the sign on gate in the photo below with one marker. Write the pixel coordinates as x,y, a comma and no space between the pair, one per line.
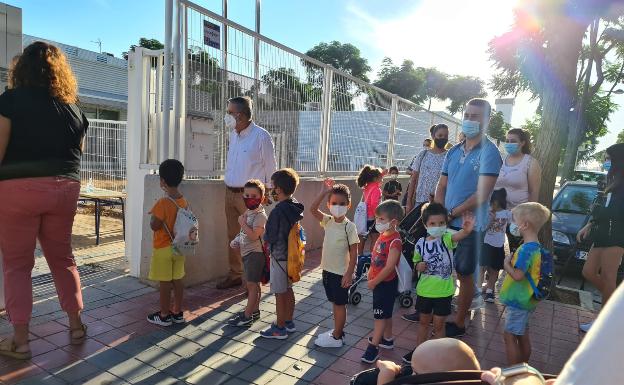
212,35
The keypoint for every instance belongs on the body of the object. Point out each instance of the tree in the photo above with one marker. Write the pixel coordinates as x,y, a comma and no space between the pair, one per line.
435,83
460,89
287,91
405,80
145,43
345,57
497,128
620,137
540,54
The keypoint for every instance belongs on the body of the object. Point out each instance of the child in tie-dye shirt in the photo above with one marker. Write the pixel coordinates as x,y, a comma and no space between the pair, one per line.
516,292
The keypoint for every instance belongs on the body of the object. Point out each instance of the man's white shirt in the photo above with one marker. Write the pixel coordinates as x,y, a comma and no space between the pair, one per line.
251,155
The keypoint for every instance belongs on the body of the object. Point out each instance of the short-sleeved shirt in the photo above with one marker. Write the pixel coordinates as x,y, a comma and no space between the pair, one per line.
429,166
166,211
379,256
255,218
46,135
519,294
437,280
338,238
495,233
463,171
372,197
392,189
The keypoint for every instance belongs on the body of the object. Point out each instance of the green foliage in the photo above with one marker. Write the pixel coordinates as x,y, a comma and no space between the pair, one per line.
532,125
345,57
286,90
620,137
460,89
404,80
145,43
497,128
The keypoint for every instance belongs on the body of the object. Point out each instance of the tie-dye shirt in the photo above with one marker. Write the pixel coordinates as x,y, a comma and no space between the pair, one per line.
379,257
519,294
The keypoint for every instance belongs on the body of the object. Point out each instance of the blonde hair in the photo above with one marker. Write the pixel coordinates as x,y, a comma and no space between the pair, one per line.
44,65
535,213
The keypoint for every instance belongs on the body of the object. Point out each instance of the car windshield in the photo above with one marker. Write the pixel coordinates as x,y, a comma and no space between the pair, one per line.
588,176
575,199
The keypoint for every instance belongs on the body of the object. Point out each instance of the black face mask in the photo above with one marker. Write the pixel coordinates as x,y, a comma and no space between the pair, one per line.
440,142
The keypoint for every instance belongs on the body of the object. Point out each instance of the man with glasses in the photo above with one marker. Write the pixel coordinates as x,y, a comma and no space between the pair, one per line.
251,155
468,177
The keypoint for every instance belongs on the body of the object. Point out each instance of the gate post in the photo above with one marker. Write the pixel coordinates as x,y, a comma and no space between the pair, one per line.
392,131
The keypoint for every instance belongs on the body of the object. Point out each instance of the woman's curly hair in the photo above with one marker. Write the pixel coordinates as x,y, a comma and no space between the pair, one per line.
44,65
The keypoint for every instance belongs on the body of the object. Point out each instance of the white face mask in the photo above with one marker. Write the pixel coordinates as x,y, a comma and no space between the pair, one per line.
436,231
382,227
230,121
338,211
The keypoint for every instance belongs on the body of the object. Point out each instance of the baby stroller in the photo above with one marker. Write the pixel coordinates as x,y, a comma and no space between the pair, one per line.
408,230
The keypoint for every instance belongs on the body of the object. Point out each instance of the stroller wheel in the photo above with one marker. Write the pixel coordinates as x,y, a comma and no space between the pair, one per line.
355,298
406,301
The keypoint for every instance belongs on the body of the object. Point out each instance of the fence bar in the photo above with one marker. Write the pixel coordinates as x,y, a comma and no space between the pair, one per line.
167,82
392,130
325,118
183,78
174,148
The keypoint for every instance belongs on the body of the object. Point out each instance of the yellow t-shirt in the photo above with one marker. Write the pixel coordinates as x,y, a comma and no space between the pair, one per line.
338,238
166,211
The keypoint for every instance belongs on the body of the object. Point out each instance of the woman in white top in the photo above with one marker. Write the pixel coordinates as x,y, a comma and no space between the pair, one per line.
521,174
426,168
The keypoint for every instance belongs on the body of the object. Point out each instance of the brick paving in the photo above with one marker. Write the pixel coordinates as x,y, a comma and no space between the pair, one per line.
123,348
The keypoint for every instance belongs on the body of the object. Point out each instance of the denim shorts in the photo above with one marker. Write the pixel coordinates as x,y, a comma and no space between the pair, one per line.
516,320
468,252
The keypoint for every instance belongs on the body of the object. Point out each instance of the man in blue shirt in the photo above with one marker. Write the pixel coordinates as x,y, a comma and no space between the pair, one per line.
468,176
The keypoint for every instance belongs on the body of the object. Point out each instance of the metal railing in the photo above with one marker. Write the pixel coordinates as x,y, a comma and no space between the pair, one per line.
103,163
322,120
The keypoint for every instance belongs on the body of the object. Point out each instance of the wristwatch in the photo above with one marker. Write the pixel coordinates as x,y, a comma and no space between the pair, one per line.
518,370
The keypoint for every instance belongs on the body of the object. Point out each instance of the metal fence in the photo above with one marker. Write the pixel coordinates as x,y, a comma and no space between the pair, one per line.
322,120
103,163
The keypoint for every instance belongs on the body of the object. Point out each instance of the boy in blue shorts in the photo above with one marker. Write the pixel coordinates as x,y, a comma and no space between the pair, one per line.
382,276
516,292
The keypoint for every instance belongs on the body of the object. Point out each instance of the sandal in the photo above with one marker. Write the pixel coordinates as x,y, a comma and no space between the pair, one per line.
83,336
9,349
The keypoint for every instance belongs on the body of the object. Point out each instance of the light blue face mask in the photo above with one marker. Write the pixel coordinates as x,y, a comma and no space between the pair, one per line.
436,231
514,230
607,165
512,148
470,128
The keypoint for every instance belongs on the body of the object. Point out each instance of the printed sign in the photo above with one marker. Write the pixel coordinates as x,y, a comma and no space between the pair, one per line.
212,35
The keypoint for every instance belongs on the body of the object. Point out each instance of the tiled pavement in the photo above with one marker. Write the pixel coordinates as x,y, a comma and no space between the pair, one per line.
123,348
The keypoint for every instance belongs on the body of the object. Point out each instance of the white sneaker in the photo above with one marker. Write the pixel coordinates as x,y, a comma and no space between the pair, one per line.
585,327
327,340
477,303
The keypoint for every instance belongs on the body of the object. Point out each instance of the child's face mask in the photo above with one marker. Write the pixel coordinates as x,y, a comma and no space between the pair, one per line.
436,231
252,203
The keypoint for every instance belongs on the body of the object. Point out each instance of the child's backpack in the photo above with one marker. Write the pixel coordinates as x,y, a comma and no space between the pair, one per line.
360,218
296,252
185,235
542,289
404,273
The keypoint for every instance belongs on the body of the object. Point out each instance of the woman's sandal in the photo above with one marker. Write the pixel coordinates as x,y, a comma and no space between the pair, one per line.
83,336
9,349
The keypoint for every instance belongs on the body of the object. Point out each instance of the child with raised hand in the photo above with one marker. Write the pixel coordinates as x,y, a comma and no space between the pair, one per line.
249,242
167,266
369,180
338,258
382,277
433,258
494,242
517,292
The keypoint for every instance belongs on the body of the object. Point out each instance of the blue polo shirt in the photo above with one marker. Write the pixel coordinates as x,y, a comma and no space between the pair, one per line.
463,171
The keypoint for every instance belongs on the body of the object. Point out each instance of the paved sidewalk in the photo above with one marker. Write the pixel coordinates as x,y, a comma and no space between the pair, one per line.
123,348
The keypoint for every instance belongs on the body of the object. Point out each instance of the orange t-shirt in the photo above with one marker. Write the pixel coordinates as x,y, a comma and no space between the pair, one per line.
166,211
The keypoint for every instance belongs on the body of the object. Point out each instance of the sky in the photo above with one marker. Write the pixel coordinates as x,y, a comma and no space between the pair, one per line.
451,35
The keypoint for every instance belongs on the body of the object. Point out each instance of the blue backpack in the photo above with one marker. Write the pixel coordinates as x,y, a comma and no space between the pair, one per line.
542,289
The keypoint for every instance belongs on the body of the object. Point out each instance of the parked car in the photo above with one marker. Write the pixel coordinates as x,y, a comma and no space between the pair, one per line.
571,210
587,176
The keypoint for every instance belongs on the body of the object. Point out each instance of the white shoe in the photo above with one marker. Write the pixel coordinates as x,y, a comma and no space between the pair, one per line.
327,340
585,327
477,303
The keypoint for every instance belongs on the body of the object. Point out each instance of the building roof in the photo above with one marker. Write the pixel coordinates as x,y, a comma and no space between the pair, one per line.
102,79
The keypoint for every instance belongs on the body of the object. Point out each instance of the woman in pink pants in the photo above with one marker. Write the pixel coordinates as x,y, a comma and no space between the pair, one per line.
41,133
